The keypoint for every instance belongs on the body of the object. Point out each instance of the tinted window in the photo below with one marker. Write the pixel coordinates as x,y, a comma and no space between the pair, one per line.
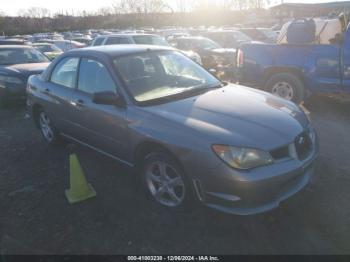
94,77
116,41
65,73
98,41
10,56
150,40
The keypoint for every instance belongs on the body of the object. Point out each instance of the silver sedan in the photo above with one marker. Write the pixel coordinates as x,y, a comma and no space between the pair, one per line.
189,135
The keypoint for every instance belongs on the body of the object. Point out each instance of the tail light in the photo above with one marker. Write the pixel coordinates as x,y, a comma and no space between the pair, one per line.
240,58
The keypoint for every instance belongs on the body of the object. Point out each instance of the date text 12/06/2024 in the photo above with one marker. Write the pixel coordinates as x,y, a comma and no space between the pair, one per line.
173,258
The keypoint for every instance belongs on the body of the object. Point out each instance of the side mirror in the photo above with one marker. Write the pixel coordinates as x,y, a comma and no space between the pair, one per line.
108,98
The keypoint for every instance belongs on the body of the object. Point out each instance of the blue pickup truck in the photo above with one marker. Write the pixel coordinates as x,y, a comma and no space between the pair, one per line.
294,71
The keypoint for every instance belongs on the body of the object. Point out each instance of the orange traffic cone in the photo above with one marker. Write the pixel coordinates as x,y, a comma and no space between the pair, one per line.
79,190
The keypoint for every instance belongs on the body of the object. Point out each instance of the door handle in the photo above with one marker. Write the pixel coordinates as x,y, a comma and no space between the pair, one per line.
47,91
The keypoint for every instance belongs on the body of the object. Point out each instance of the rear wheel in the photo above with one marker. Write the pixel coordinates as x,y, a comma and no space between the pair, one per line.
47,128
287,86
165,181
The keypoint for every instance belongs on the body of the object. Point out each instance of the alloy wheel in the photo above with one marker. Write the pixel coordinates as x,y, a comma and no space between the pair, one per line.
165,184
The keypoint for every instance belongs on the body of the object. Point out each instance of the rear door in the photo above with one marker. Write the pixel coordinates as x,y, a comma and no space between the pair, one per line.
105,126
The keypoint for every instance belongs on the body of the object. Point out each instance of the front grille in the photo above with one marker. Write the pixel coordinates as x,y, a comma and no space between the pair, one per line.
303,145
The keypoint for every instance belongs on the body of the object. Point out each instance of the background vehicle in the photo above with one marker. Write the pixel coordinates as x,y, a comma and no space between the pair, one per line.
66,45
50,50
296,71
17,63
84,40
140,39
142,97
212,55
228,38
265,35
14,41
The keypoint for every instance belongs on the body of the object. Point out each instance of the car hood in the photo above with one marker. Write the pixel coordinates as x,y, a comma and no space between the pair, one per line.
23,71
223,50
237,115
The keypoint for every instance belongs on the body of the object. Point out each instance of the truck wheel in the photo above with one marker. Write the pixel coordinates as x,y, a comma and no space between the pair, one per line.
287,86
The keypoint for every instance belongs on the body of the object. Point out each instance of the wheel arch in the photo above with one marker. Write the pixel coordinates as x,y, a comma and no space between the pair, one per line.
36,108
269,72
147,147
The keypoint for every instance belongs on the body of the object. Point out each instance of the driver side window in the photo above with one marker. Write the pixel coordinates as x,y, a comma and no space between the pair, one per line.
94,77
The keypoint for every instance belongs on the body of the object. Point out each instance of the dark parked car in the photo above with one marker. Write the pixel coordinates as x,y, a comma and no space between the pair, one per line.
236,149
228,38
265,35
17,63
14,41
213,56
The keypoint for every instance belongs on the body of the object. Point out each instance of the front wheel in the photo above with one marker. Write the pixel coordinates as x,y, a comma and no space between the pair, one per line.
165,181
287,86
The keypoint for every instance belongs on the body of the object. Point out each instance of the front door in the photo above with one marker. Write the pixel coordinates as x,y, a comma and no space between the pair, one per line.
105,126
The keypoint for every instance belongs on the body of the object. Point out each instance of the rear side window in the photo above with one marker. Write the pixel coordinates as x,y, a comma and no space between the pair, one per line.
94,77
116,41
65,72
98,41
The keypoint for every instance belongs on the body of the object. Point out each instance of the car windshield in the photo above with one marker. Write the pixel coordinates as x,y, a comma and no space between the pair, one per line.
10,56
163,74
48,48
268,32
241,36
205,43
150,40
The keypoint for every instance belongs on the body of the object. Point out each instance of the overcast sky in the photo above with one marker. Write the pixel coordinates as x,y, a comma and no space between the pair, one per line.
11,7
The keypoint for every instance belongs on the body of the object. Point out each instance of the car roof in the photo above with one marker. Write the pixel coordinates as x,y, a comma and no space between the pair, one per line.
221,31
118,50
15,47
127,35
190,38
35,44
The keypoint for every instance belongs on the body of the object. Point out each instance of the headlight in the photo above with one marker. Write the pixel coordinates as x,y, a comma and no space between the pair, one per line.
242,158
9,79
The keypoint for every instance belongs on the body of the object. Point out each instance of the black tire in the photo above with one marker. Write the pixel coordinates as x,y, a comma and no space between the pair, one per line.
151,158
297,86
55,138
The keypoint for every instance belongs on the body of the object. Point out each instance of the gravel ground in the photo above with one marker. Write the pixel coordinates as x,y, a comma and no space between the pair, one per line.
35,217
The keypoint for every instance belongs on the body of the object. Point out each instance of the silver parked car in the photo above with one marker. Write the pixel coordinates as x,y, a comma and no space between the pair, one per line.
236,149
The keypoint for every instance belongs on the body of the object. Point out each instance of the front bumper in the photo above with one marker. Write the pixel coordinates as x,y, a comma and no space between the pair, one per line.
256,191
